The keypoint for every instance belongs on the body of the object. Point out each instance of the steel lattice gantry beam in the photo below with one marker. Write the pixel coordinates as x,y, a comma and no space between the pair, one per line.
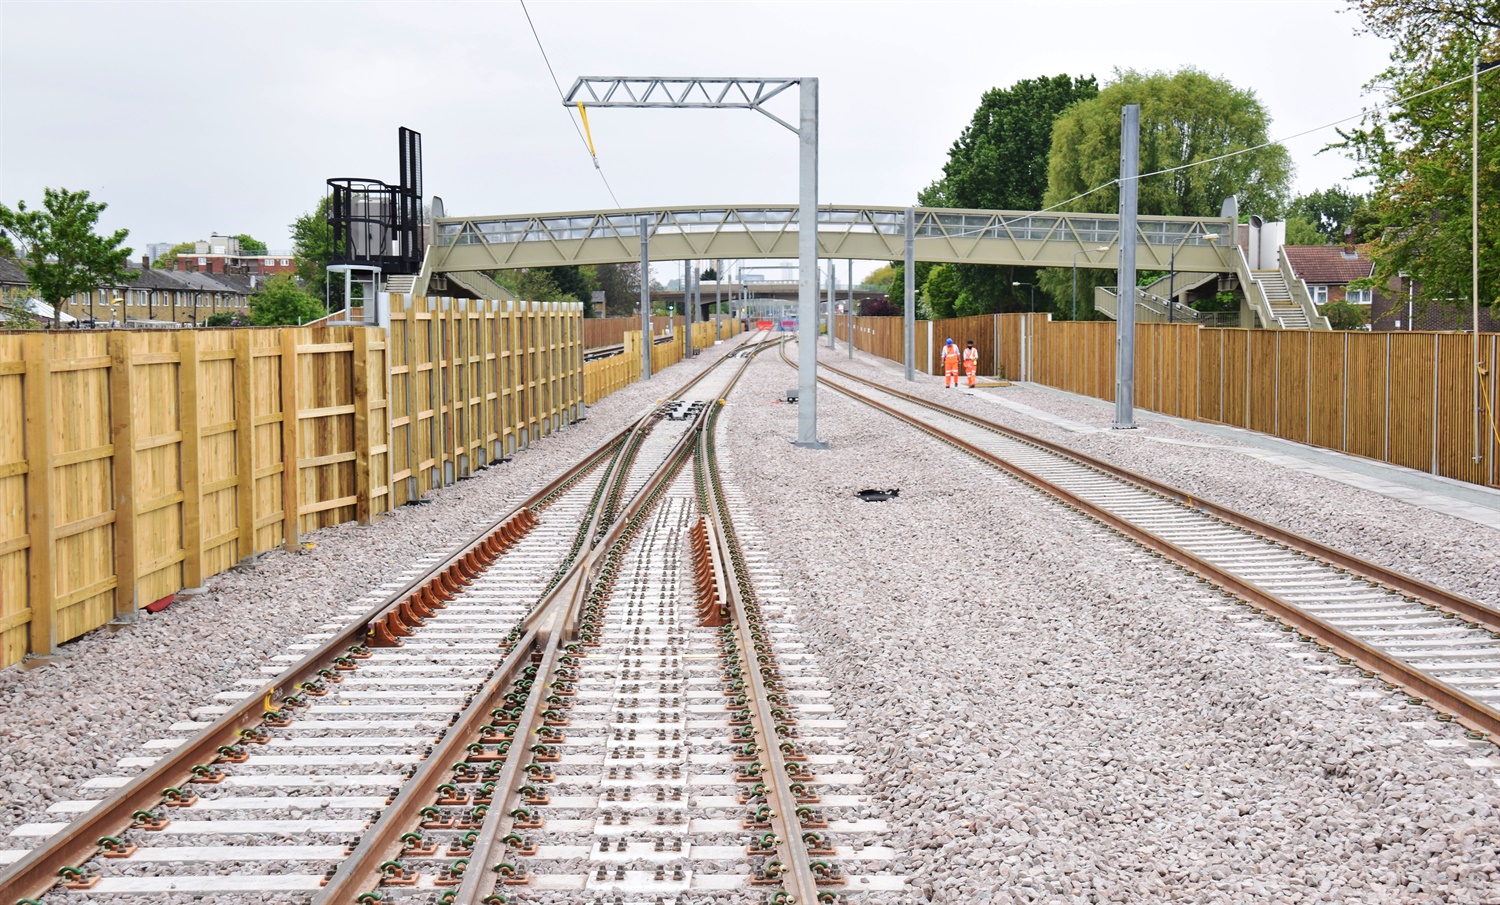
943,235
745,94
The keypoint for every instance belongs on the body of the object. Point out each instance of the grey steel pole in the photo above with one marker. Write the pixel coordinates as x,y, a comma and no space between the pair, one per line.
690,302
833,291
849,340
909,323
1130,140
1474,251
643,225
718,310
807,269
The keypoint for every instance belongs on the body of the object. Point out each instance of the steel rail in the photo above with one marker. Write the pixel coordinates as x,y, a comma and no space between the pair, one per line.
1473,610
356,871
799,879
562,629
548,627
77,843
1467,711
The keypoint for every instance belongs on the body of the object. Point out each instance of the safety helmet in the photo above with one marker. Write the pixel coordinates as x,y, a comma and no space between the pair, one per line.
949,342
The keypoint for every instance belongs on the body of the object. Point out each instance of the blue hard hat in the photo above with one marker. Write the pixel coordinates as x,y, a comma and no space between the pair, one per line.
950,341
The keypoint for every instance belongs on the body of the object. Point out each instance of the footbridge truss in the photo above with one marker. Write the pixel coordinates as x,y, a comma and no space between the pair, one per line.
942,235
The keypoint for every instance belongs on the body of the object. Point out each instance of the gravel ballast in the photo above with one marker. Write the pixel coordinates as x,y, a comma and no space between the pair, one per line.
68,722
1048,713
1450,552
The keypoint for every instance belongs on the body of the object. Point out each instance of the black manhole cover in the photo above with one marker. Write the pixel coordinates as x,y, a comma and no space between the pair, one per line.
878,496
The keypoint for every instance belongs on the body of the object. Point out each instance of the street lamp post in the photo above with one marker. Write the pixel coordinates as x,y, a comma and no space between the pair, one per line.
1033,296
1172,280
1075,275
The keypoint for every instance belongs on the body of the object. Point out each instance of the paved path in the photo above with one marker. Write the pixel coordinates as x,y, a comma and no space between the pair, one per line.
1459,499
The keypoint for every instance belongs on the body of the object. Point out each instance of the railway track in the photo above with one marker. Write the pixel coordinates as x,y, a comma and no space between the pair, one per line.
586,700
1441,648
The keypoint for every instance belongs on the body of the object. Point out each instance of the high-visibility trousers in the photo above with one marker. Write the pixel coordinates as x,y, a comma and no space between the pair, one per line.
971,368
950,373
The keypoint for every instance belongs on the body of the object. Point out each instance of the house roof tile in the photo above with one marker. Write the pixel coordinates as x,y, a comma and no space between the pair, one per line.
1328,264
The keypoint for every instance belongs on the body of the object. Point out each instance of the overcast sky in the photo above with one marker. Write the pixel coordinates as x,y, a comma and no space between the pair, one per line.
197,117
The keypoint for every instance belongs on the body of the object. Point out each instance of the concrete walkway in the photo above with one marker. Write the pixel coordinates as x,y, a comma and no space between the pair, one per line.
1471,502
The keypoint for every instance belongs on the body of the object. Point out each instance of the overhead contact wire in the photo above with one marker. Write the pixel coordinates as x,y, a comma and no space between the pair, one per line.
587,144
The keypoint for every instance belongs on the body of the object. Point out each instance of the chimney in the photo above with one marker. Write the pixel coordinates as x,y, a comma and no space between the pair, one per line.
1349,251
145,262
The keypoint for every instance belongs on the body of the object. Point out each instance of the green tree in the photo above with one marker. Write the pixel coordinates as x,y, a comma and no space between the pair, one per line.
897,290
1299,231
709,275
621,284
16,312
1343,315
881,276
313,246
1331,212
168,261
576,284
1187,117
227,319
1421,30
281,301
1420,154
251,245
7,247
940,289
64,256
999,162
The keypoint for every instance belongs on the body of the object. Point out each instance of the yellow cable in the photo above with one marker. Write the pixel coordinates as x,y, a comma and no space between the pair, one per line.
588,136
1494,428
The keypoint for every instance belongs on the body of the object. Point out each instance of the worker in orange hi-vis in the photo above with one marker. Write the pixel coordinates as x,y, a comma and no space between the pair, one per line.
950,364
971,363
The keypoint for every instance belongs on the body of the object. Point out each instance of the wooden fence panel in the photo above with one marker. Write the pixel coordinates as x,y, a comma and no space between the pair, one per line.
1210,376
1410,417
1292,385
1260,379
268,467
1327,375
1455,414
1366,376
81,500
156,494
608,331
1236,377
15,607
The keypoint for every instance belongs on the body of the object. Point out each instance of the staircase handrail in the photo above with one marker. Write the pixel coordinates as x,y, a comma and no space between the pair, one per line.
1300,293
1255,293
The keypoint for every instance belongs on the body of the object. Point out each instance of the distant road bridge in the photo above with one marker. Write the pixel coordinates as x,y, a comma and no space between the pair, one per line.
942,235
760,290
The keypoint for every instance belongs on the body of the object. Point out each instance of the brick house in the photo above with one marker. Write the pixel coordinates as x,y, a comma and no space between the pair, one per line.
223,255
1329,269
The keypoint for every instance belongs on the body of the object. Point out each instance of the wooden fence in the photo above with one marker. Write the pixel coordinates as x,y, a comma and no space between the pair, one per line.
606,375
473,381
134,464
1400,397
608,331
599,332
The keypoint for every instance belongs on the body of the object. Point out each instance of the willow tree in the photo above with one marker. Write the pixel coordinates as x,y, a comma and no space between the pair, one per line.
1190,121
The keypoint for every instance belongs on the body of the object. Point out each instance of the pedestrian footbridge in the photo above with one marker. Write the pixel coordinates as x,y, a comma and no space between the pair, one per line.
1181,245
942,235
